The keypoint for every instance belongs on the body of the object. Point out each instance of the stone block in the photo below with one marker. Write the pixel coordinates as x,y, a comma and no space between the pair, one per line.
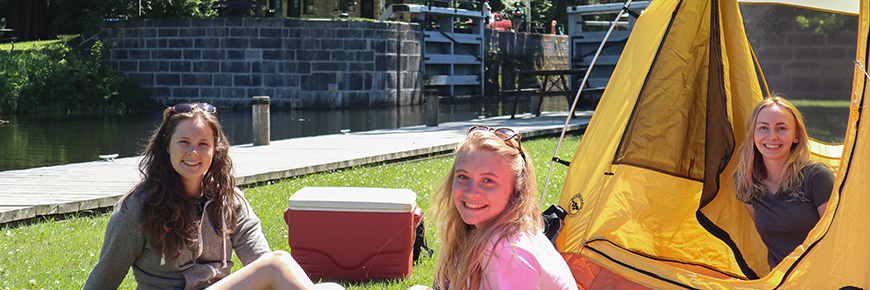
158,93
139,54
242,32
242,80
356,44
364,56
271,32
236,54
192,54
180,43
267,43
355,81
256,67
374,33
273,54
217,32
153,66
292,81
274,81
128,66
332,43
191,93
167,32
167,54
341,55
191,32
167,79
214,54
328,66
303,67
144,79
309,43
146,32
286,67
312,55
118,54
253,54
233,93
235,42
206,66
256,80
349,33
235,67
196,79
223,80
180,66
206,43
211,22
209,92
156,43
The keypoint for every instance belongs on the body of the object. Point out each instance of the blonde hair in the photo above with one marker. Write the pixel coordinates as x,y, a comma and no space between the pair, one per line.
463,245
751,170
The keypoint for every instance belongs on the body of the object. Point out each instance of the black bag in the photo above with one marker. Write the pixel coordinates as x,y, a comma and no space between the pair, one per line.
553,221
420,242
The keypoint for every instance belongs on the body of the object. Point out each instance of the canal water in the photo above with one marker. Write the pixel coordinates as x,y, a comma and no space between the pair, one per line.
53,139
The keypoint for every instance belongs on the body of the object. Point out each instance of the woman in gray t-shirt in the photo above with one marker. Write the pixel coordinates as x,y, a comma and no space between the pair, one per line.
785,192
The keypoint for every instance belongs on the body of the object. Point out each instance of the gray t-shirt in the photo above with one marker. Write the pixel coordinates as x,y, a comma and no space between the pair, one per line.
784,220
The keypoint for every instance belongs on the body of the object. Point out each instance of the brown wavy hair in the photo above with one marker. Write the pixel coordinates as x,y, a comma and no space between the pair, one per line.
170,215
750,170
462,245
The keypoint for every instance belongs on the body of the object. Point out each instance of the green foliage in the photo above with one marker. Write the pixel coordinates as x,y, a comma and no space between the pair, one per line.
58,77
821,23
60,254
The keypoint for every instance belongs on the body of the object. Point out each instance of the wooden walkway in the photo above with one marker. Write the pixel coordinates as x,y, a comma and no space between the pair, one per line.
63,189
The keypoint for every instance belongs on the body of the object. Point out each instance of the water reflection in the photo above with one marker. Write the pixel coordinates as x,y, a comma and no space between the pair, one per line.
53,139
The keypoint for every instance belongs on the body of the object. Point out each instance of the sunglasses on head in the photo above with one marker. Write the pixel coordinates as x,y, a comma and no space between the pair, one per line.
502,133
187,107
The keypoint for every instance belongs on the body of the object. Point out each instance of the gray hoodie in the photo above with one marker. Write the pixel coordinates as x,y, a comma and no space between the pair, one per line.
126,245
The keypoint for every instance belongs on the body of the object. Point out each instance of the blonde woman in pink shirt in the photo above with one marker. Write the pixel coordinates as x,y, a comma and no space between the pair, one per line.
489,222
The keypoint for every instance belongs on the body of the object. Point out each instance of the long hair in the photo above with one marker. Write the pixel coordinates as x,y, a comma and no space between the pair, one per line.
750,170
170,215
462,245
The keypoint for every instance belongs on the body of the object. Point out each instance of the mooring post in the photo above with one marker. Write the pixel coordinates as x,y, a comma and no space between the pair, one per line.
432,108
260,109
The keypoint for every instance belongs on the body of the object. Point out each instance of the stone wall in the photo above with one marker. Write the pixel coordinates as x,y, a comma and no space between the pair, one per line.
802,63
298,63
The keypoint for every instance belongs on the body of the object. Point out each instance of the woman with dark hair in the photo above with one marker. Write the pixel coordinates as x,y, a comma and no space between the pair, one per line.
179,226
489,222
785,191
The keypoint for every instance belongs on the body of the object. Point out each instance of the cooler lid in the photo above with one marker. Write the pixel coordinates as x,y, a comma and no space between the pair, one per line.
365,199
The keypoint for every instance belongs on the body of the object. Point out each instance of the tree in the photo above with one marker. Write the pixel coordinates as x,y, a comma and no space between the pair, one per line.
33,19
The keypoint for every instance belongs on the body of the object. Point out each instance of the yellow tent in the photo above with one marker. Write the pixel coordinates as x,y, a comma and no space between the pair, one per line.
659,209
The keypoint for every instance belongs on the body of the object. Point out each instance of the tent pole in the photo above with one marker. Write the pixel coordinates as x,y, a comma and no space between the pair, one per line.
577,96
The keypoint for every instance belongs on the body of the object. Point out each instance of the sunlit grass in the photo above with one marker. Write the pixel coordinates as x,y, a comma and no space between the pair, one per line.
59,254
29,45
821,103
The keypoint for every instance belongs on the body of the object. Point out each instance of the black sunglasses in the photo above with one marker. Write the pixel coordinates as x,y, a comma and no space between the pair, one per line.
187,107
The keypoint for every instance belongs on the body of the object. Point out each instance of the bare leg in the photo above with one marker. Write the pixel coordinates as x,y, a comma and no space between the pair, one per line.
277,270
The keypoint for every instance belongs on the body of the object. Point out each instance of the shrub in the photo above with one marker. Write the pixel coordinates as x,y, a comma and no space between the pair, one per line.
59,77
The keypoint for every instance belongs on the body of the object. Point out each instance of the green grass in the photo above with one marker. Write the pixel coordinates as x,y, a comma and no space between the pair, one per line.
37,44
59,254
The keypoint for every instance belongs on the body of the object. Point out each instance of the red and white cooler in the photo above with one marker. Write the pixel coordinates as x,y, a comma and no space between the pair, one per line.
353,233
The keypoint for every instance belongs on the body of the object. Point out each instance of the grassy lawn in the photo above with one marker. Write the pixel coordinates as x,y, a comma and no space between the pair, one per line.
28,45
59,254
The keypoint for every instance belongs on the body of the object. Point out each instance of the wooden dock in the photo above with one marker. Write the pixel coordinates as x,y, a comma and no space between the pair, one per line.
63,189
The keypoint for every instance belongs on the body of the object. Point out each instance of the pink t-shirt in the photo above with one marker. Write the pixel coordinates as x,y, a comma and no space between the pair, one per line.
524,262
